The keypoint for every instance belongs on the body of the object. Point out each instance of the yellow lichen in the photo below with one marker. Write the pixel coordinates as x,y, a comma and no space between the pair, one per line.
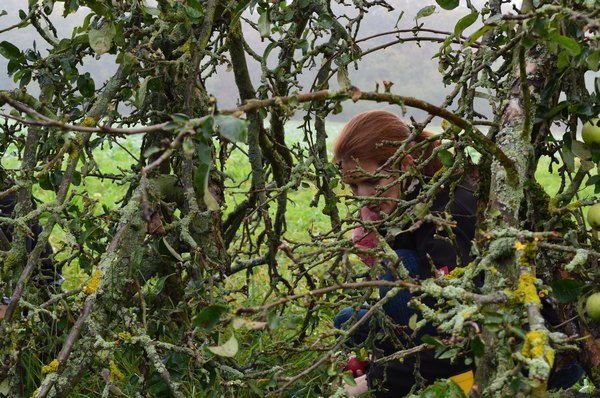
535,344
550,357
88,122
526,291
125,336
520,246
526,253
456,273
115,373
52,367
93,284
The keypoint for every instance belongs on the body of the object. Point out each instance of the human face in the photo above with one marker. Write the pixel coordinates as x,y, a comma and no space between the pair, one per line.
358,177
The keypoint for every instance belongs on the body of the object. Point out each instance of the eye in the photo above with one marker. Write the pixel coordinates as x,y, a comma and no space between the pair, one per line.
353,187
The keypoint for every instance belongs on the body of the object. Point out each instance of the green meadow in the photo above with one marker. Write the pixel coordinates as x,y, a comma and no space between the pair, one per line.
116,159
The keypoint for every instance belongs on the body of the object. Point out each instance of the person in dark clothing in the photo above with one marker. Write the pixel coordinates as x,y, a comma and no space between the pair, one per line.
361,152
47,274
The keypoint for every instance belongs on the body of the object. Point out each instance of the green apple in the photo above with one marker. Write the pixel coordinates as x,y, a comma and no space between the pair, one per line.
593,216
591,132
592,306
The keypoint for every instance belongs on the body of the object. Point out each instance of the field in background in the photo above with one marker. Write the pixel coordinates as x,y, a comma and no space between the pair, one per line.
302,218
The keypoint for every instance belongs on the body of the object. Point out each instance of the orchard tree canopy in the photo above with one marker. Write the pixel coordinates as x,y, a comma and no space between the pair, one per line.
206,250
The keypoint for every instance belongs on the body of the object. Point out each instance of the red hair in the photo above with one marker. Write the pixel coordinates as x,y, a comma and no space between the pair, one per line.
370,136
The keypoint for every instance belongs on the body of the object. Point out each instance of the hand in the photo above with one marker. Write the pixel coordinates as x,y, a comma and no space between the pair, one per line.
360,388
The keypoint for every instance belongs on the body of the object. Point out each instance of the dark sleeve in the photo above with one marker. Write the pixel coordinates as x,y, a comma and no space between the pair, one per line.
7,205
48,271
442,252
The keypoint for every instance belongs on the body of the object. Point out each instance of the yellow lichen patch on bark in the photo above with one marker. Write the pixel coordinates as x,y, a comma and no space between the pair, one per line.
526,291
52,367
535,344
125,336
93,284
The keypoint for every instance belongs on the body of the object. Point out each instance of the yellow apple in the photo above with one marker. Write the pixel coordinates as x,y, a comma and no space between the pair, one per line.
593,216
591,132
592,306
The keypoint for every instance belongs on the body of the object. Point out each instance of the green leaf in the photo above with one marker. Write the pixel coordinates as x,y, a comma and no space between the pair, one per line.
209,316
210,201
325,21
581,150
151,151
412,322
448,354
5,387
442,389
264,25
25,78
480,32
239,323
566,290
171,250
229,349
568,43
478,347
101,39
593,180
568,158
76,178
86,85
231,128
427,339
446,157
342,77
9,50
425,12
447,4
201,177
293,101
153,11
348,379
563,60
140,94
528,42
593,61
194,9
465,22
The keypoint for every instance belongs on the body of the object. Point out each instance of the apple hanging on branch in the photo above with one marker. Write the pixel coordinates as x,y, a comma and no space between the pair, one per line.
590,133
592,307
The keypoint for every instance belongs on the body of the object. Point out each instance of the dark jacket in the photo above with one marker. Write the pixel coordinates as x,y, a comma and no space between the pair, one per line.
394,378
47,273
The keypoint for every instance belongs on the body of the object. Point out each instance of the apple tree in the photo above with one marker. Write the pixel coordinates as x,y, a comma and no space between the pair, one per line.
190,266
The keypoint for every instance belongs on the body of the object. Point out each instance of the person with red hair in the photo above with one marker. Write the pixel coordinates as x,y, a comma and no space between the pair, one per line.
367,151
